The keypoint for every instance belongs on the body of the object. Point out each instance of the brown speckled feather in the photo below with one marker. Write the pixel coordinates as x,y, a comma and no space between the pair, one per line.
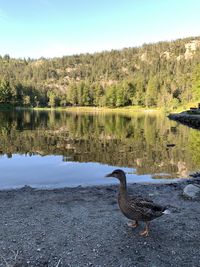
135,208
144,208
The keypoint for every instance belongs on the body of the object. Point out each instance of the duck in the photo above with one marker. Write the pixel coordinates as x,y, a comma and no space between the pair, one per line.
136,208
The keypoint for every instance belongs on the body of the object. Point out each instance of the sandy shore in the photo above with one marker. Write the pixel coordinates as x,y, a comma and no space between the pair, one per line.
84,227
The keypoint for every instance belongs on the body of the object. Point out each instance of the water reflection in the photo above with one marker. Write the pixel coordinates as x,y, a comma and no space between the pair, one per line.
53,172
150,144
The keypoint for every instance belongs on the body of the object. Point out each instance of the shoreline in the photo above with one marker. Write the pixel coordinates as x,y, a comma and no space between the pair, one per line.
152,182
93,109
98,110
83,226
90,186
88,109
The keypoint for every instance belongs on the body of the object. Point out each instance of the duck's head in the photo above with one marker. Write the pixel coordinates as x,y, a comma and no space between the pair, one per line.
119,174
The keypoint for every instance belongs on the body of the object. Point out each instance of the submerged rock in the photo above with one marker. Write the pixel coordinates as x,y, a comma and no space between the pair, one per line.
192,191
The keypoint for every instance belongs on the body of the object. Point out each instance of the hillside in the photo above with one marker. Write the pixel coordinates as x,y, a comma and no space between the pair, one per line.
164,74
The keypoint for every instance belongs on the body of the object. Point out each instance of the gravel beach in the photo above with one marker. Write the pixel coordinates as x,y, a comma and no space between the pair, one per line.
84,227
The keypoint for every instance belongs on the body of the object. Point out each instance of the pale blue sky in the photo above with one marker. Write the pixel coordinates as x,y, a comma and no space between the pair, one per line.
51,28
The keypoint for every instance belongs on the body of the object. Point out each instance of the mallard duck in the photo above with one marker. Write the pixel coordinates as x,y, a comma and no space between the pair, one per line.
136,208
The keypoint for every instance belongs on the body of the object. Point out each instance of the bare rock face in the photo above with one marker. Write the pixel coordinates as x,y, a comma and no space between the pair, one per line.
191,48
192,191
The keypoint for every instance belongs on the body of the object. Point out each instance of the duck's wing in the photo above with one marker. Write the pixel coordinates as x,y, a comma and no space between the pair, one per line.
147,208
139,199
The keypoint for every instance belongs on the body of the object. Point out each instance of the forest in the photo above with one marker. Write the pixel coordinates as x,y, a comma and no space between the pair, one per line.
163,75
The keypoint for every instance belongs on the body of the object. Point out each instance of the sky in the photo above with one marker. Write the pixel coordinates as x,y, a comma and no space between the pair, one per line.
54,28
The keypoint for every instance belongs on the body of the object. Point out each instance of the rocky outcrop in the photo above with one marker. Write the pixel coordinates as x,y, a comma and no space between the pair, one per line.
190,48
190,120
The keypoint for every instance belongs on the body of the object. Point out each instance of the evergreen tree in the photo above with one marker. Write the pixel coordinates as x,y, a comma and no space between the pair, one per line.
151,92
52,100
196,83
5,92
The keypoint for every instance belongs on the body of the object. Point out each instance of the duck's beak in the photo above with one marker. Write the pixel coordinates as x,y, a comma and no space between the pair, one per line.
109,175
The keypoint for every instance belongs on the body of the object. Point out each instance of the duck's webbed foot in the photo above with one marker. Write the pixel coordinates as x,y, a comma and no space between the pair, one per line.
133,224
146,230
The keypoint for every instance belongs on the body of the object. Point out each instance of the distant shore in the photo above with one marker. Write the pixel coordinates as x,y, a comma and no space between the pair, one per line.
92,109
84,227
127,110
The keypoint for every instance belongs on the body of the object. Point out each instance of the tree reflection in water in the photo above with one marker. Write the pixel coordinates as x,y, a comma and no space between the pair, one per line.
150,143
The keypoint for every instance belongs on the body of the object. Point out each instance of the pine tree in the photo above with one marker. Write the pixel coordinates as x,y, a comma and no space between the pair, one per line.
5,92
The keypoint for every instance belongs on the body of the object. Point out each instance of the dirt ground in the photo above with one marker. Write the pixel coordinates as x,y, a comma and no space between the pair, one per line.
84,227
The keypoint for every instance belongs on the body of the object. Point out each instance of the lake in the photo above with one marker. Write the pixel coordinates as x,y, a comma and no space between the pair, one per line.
52,149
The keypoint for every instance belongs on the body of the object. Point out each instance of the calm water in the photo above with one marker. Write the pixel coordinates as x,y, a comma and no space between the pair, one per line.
55,149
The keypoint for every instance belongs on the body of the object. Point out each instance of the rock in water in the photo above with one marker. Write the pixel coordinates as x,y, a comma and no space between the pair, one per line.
191,191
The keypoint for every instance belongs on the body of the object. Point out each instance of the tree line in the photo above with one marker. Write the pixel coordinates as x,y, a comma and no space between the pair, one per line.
164,74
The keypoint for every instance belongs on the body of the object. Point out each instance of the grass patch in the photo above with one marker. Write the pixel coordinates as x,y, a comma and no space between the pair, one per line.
128,109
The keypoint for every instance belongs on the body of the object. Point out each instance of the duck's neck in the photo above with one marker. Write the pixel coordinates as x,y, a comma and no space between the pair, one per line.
123,187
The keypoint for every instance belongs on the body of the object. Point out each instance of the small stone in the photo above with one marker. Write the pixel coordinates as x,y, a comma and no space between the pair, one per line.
151,195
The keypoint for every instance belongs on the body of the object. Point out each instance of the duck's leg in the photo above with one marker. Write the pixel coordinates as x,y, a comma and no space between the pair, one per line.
146,230
133,224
